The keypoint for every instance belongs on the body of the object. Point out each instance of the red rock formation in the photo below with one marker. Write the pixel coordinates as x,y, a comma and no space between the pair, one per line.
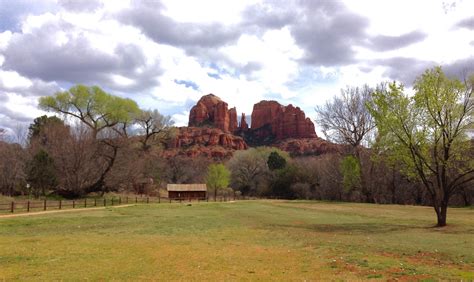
264,112
233,120
243,123
211,110
285,122
189,136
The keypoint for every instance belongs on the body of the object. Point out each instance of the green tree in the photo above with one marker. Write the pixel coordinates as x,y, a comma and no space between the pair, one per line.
350,168
92,106
426,133
218,177
41,173
99,112
275,161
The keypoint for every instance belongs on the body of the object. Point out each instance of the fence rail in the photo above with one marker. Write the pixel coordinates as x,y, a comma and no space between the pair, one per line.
25,206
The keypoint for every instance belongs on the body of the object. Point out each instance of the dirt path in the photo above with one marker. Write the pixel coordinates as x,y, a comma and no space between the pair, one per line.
61,211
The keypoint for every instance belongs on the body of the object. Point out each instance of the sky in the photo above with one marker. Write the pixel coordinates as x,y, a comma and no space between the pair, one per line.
167,54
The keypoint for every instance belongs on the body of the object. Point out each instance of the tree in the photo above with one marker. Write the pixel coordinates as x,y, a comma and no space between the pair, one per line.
41,173
350,169
218,177
275,161
152,123
100,112
36,129
92,106
426,133
346,120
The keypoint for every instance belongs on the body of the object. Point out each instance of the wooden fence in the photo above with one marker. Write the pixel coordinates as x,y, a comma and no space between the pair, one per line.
44,205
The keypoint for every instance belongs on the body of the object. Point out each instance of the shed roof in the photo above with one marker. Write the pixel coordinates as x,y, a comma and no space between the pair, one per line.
186,187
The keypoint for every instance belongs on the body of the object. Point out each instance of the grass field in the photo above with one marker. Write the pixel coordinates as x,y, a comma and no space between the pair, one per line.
247,240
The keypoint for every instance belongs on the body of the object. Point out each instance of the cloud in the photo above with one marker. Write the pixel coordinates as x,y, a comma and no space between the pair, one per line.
404,69
149,18
386,43
58,51
460,68
466,23
187,83
269,15
328,31
80,5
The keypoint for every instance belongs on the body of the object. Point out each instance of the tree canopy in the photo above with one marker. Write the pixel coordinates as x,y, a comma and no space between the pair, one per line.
91,105
427,133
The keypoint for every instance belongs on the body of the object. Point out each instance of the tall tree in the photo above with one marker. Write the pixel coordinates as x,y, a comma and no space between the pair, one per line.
101,113
218,177
346,120
426,132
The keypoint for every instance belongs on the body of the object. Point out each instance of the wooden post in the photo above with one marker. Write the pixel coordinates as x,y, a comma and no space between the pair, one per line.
95,202
159,198
28,206
44,204
136,200
170,200
73,203
112,201
85,203
147,200
60,204
12,208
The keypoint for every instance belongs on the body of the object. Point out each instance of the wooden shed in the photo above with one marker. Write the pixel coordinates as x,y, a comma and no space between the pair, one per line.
187,191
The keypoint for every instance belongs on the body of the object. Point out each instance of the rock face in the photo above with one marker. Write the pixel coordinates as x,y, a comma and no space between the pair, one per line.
213,129
282,121
212,111
243,123
200,141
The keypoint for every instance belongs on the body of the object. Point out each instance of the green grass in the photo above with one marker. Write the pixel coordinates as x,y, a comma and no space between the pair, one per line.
248,240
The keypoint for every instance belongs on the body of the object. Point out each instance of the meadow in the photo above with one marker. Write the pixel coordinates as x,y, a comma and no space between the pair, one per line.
243,240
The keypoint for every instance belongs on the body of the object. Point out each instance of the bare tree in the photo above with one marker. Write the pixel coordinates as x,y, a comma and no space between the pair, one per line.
152,123
345,119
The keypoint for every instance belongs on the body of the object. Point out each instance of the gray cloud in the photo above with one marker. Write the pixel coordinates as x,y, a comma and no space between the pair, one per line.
385,43
35,55
80,5
148,17
466,23
403,69
269,15
460,68
327,30
406,70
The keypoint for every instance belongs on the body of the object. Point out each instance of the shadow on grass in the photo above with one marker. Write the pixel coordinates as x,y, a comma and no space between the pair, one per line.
355,228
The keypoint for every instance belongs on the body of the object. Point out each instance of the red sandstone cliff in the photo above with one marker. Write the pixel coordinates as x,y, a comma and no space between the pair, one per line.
211,110
285,121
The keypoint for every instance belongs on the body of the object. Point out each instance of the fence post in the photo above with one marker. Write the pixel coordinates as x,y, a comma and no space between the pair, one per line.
120,200
85,203
44,204
136,200
159,198
147,200
60,204
170,200
12,208
95,202
73,203
28,206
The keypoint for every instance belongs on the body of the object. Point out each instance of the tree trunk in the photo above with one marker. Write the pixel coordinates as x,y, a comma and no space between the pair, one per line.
215,194
441,214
